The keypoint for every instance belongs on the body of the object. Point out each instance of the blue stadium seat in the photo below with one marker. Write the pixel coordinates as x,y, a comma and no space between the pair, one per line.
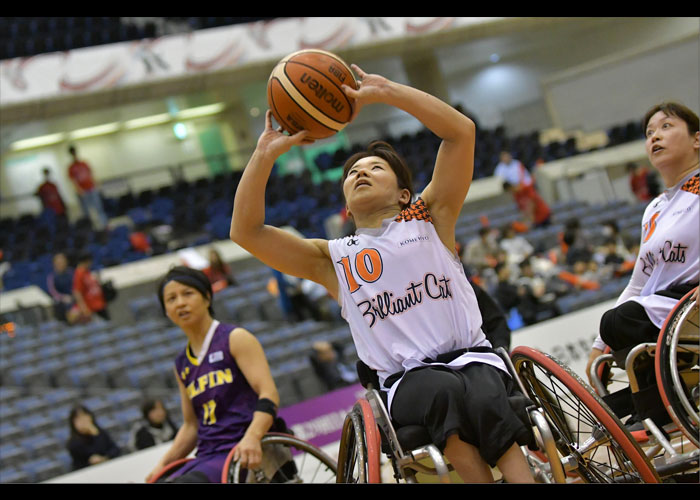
44,468
31,376
12,454
123,398
567,303
65,460
135,359
41,444
104,352
14,475
128,417
98,405
36,423
87,377
60,412
147,306
32,404
76,345
112,368
103,338
8,412
145,377
61,396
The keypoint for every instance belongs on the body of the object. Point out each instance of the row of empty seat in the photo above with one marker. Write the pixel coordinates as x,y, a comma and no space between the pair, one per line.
30,36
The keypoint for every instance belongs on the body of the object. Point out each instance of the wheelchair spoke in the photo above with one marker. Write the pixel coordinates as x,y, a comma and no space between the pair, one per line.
287,459
586,443
677,370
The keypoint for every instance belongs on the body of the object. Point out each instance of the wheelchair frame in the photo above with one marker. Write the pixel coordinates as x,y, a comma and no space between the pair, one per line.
679,336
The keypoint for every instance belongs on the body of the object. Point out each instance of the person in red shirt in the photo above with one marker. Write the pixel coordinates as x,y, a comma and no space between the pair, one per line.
50,196
218,272
88,291
80,174
536,211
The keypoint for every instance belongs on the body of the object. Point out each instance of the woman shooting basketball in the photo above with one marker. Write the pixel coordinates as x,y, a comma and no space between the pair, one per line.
400,284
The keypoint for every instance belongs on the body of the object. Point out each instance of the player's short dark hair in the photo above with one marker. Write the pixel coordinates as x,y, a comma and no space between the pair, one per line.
190,277
676,109
386,152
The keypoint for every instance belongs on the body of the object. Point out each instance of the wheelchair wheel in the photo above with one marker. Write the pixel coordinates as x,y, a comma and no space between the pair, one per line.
286,459
360,446
592,441
166,471
677,367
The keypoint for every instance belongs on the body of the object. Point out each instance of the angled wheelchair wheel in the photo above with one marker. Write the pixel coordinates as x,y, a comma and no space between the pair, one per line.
286,459
360,446
593,443
163,474
676,363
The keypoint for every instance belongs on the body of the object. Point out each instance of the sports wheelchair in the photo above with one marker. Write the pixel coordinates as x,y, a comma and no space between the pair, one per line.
368,430
577,437
672,443
286,459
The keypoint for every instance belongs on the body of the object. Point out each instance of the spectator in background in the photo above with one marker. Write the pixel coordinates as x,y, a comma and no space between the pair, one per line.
218,272
327,361
611,232
59,283
534,209
512,171
140,241
639,181
88,444
577,243
85,185
295,304
481,252
50,196
516,247
506,293
155,428
87,290
534,298
644,183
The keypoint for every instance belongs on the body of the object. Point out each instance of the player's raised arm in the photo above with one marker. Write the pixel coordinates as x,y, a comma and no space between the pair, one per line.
279,249
454,165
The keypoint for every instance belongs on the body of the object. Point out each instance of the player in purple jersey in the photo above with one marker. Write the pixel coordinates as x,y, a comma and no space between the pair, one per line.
227,392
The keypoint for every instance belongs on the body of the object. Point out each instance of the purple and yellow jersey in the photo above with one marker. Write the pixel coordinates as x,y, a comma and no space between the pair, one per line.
223,400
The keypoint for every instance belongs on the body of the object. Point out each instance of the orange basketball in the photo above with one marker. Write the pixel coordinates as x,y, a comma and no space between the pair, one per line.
304,93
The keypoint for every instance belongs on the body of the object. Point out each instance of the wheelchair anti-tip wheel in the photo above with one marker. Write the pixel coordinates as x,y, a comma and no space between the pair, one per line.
593,443
360,446
676,364
286,459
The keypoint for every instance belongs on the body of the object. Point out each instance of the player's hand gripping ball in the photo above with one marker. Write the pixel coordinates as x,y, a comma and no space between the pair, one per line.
304,93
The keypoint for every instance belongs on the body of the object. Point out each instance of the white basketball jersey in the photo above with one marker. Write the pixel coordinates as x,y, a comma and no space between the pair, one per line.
670,245
406,297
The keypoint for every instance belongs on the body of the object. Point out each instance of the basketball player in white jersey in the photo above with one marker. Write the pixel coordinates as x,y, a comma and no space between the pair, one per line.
668,262
400,284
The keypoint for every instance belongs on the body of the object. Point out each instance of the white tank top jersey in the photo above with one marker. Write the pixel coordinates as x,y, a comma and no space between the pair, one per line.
406,297
669,249
669,252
